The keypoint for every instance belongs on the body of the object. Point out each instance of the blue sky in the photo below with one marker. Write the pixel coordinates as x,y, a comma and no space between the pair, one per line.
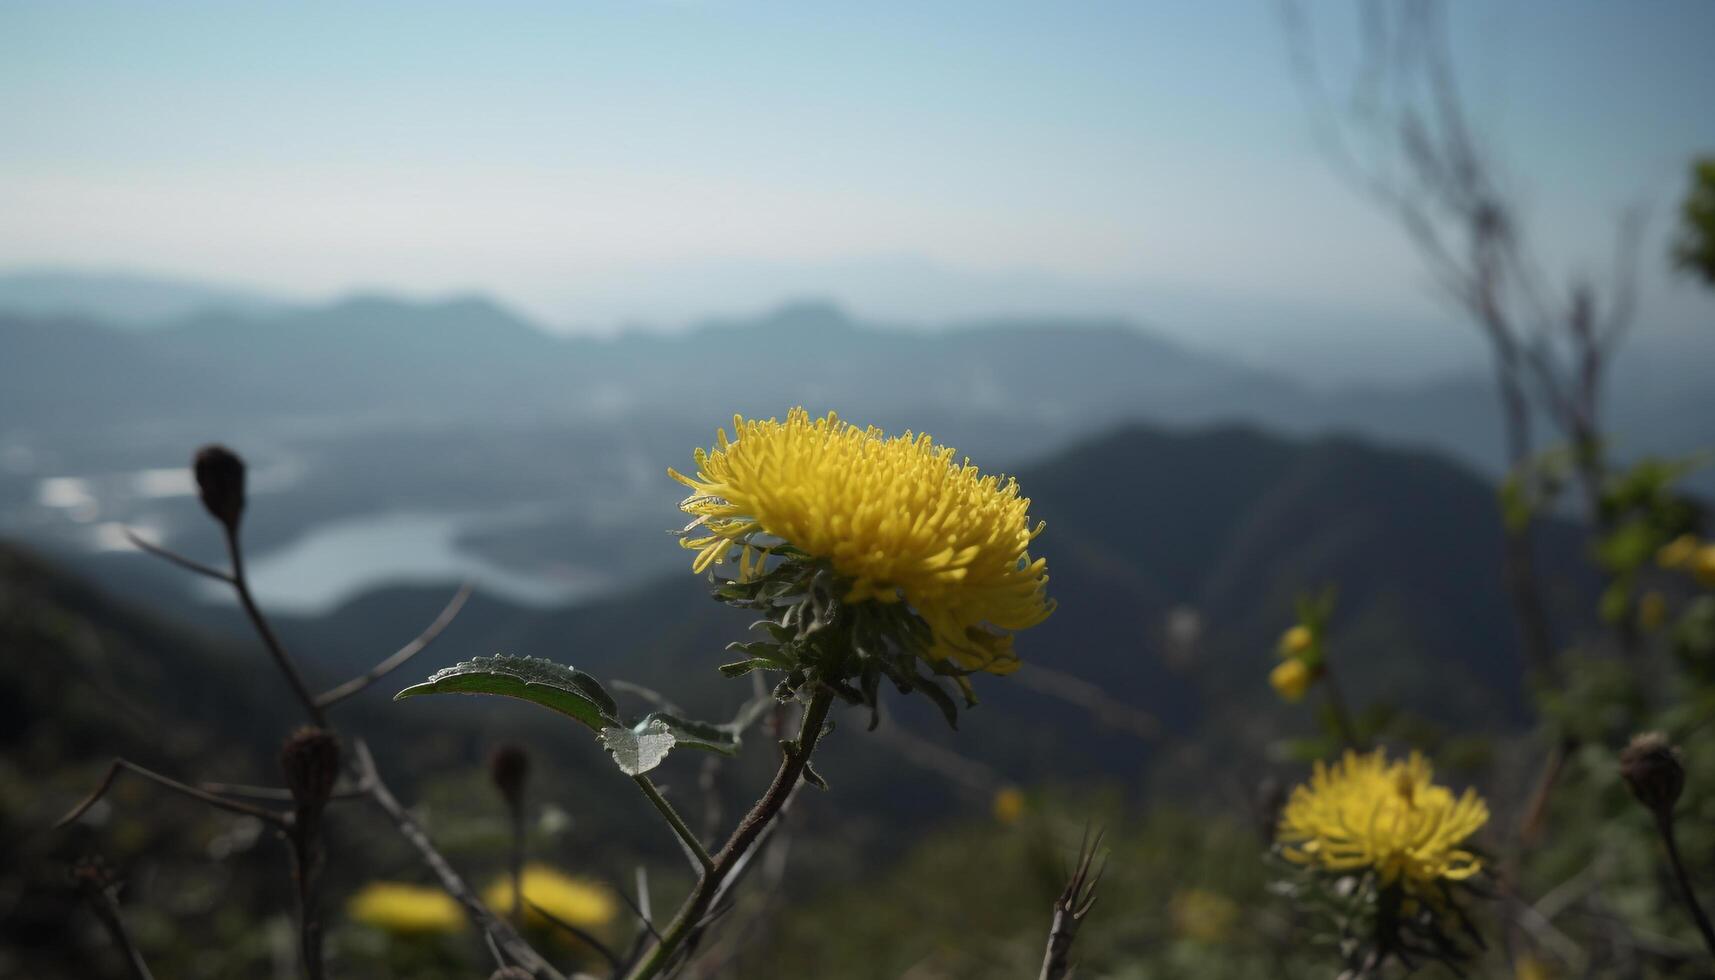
597,163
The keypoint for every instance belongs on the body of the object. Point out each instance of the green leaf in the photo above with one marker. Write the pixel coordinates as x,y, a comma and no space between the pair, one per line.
555,686
638,750
692,734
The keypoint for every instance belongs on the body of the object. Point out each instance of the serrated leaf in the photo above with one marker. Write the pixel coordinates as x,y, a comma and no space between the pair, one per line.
638,750
558,687
691,734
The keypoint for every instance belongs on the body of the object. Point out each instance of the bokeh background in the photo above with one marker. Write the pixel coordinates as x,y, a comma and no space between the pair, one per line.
460,282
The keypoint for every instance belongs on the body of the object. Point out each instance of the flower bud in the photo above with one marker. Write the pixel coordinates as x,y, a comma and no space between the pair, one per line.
1651,766
1291,680
220,478
509,766
310,761
1296,642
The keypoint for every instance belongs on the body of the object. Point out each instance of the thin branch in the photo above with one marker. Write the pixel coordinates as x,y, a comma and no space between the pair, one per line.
189,564
329,698
582,934
279,793
98,887
1664,824
125,765
1070,908
276,649
502,932
701,863
792,766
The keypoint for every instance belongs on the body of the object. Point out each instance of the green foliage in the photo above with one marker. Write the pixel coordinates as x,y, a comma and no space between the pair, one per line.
556,687
1695,249
812,635
636,748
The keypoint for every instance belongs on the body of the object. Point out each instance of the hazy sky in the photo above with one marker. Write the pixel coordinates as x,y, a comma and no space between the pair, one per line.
603,162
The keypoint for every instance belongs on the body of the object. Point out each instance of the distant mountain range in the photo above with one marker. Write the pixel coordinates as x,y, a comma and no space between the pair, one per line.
1022,384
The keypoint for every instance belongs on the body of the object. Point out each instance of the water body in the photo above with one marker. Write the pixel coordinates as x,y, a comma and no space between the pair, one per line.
342,559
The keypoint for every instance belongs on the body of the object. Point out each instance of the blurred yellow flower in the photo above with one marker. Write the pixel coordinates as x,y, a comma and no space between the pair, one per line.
901,519
1202,915
575,900
1703,565
1008,804
1291,680
1296,641
401,908
1677,553
1652,611
1528,967
1365,813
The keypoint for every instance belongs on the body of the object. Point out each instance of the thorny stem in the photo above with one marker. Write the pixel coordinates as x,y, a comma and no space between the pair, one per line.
1070,907
792,767
1664,824
241,585
693,846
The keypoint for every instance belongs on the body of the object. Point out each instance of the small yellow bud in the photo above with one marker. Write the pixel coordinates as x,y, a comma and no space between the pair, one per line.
1296,641
1008,805
1678,552
1652,611
1529,967
1291,680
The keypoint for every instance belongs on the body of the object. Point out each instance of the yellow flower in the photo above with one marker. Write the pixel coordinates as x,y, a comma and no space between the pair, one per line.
1295,642
1365,813
1202,915
574,900
401,908
1678,552
900,519
1703,565
1652,611
1528,967
1008,804
1291,680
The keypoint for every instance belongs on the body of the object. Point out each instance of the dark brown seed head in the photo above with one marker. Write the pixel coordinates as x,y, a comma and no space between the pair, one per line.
1651,766
220,479
310,761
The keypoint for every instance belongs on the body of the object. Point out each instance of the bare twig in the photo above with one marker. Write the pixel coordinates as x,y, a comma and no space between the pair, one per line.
282,659
98,888
583,935
1664,825
189,564
219,802
1070,908
329,698
502,932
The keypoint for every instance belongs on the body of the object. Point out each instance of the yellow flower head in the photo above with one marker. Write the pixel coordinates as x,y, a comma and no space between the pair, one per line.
1703,565
401,908
1291,680
1008,805
1296,641
1678,552
1202,915
574,900
900,519
1365,813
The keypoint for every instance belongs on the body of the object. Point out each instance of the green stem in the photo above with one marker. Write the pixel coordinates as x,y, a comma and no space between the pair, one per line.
678,822
749,829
